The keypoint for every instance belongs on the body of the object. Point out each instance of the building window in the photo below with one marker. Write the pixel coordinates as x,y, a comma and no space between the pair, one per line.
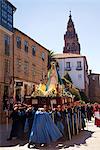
26,46
19,64
43,56
33,50
10,9
25,89
4,14
33,70
10,18
18,41
9,25
68,68
7,45
26,67
43,75
7,66
6,91
4,21
79,65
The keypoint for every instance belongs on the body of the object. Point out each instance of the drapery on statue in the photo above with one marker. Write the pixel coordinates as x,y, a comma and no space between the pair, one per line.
52,77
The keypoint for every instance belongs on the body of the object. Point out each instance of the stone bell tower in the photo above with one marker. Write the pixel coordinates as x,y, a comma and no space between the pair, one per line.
71,44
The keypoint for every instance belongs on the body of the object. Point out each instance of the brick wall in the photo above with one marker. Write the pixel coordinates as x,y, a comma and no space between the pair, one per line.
40,65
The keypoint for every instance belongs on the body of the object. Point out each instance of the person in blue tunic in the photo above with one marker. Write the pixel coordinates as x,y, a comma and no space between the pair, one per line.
30,112
43,131
70,117
58,119
64,121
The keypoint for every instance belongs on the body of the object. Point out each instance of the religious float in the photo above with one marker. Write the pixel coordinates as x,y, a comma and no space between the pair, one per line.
56,91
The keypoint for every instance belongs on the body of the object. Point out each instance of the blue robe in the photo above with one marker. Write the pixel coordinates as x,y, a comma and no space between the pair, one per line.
43,129
58,121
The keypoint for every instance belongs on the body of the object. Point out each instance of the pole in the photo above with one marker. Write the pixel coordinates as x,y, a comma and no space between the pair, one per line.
13,72
52,110
68,125
76,121
80,118
86,116
73,121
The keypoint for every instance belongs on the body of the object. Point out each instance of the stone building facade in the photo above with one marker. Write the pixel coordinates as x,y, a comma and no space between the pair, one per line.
94,87
23,61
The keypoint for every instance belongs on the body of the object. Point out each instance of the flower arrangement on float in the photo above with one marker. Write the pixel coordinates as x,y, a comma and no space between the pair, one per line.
40,92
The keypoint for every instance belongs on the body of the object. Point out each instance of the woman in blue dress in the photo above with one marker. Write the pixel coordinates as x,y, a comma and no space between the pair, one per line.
44,131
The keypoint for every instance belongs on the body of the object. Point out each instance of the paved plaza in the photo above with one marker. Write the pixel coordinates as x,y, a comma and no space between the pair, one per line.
85,140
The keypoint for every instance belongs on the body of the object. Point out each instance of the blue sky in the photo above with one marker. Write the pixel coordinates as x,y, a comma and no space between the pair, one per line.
46,21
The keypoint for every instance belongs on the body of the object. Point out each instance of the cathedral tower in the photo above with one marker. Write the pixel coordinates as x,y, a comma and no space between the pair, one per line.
71,44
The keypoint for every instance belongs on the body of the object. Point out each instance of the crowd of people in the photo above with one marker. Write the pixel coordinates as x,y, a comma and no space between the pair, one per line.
46,125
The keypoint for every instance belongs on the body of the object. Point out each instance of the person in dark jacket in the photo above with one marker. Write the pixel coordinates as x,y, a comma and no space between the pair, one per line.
15,117
21,121
30,112
89,112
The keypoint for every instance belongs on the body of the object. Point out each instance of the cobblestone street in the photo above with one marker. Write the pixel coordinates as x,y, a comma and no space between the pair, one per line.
85,140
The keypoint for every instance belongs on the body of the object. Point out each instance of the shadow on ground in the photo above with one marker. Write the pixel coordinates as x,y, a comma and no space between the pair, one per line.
77,140
4,134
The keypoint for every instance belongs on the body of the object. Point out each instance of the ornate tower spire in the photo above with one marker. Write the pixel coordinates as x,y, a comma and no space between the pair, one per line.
71,44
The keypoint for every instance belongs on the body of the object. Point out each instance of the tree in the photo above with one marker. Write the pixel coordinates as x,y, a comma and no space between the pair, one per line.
67,76
71,88
84,97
